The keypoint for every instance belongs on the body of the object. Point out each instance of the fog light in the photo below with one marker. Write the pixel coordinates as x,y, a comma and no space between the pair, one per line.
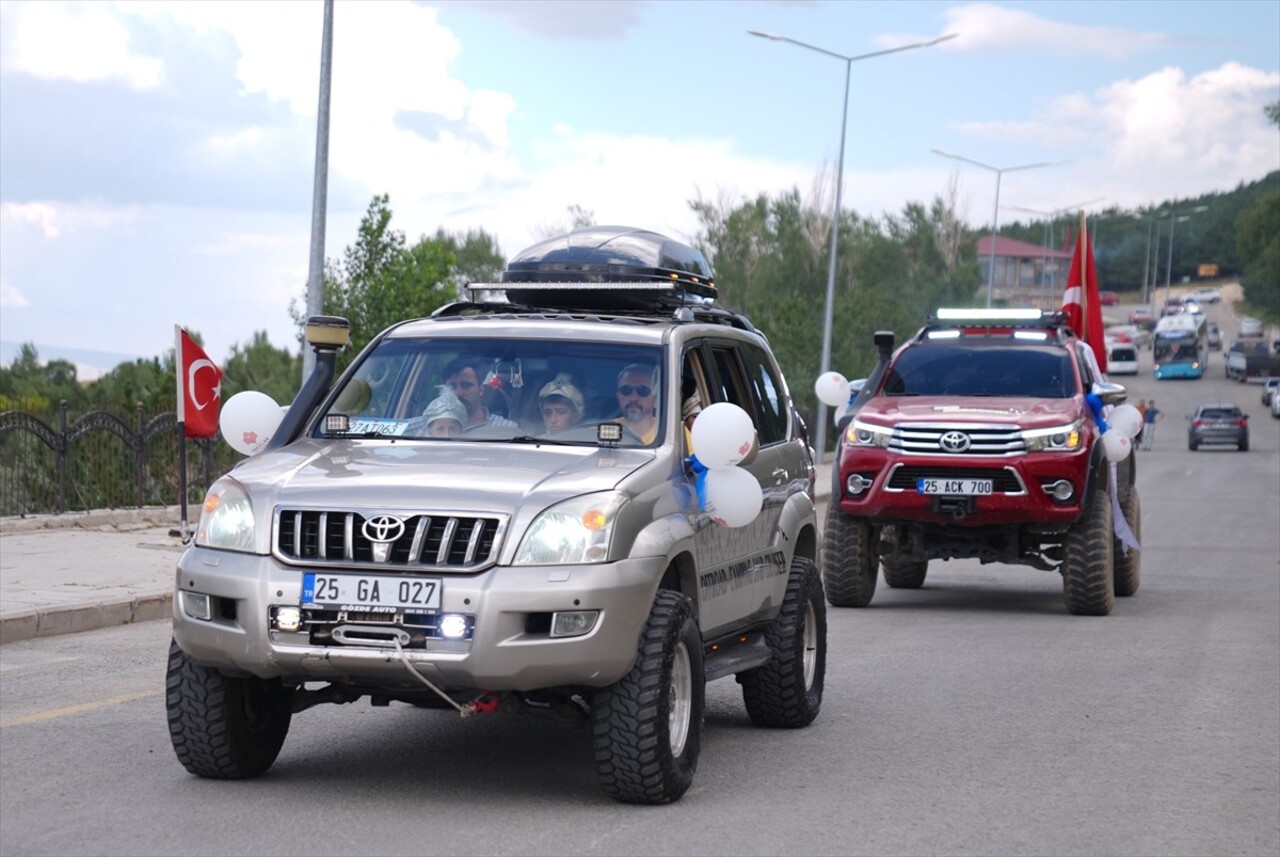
196,605
1061,490
856,483
288,618
574,623
453,626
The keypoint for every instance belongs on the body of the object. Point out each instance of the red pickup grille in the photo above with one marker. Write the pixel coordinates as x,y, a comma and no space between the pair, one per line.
1004,481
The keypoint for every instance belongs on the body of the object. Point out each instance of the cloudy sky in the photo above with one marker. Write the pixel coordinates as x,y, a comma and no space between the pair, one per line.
157,159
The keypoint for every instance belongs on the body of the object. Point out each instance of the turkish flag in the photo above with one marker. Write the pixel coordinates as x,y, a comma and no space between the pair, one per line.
199,387
1080,301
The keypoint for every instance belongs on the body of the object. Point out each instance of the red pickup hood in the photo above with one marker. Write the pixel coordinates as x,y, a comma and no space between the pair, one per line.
1027,413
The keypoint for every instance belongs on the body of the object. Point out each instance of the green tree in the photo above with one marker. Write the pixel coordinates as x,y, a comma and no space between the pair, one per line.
381,280
35,387
259,365
1258,237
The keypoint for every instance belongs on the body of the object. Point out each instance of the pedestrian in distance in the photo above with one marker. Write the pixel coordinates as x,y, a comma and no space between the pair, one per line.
1152,416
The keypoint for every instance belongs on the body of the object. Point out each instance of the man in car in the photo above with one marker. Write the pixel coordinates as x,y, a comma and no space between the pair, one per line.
637,396
463,378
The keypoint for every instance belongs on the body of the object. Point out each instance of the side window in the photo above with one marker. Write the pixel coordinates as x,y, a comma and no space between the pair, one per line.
727,379
767,390
1084,364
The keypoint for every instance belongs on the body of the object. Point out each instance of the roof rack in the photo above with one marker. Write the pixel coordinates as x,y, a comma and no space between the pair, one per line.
603,301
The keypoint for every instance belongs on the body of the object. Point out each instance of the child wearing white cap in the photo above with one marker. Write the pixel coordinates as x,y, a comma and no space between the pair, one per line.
561,403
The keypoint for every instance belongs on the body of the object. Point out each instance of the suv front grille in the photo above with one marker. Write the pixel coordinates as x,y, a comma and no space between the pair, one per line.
1004,481
928,439
431,542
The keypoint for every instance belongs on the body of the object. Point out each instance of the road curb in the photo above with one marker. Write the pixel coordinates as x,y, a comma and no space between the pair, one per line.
71,619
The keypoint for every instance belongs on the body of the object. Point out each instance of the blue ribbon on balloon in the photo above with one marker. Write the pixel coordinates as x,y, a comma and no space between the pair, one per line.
699,480
1095,405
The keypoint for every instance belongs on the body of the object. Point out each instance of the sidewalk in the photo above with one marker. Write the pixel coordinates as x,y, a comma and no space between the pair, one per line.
77,572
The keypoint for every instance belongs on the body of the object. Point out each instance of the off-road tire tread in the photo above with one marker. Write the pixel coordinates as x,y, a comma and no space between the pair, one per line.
775,694
211,734
1128,566
849,564
904,573
629,722
1088,575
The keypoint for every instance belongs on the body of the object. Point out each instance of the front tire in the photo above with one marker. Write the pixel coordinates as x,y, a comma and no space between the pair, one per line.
904,573
223,727
647,726
1088,572
849,562
787,691
1128,566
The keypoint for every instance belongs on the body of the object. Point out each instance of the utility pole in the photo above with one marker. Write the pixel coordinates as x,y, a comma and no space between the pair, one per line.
320,191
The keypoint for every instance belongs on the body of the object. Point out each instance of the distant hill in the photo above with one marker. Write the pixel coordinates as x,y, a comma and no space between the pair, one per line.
90,365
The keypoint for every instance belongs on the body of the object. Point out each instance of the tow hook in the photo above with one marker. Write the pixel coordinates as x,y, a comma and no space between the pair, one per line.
486,703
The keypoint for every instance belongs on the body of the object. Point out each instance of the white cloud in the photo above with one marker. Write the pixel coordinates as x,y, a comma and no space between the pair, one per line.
986,27
11,296
1164,130
82,42
53,220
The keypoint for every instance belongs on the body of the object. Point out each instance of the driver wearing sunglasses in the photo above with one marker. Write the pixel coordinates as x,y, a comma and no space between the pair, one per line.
636,396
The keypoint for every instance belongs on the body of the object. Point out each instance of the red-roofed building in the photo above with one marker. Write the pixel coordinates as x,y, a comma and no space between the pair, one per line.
1027,275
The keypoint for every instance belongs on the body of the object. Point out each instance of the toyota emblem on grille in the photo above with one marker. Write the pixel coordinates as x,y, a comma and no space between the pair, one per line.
954,441
383,529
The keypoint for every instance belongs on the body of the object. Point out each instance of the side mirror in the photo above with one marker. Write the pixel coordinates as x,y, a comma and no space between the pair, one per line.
1109,393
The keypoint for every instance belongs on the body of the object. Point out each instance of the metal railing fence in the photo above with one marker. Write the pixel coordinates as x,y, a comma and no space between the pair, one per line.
101,460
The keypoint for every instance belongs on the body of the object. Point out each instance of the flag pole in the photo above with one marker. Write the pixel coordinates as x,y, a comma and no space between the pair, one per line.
182,531
1084,279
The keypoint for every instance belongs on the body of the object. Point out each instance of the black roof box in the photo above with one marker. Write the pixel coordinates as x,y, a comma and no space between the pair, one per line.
602,255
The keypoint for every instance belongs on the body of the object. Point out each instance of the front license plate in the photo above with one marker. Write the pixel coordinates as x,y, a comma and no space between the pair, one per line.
370,593
966,487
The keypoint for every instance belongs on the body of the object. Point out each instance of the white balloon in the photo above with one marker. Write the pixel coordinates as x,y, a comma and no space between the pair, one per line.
1127,419
1116,444
248,421
832,389
734,497
722,435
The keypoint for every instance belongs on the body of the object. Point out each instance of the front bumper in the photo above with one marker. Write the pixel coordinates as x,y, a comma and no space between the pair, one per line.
1020,497
503,653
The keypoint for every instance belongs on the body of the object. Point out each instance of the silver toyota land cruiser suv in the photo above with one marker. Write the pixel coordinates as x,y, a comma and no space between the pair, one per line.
497,509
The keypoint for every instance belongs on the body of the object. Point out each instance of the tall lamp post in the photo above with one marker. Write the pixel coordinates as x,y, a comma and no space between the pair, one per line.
995,215
1176,217
835,215
1048,230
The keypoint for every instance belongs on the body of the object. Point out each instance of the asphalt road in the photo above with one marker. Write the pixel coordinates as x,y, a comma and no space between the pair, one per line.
973,716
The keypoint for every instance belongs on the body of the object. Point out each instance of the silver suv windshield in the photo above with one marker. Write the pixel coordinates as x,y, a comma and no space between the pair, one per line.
469,389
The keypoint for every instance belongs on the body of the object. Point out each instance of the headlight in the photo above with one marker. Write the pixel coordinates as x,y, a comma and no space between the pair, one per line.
865,434
226,519
1055,439
575,531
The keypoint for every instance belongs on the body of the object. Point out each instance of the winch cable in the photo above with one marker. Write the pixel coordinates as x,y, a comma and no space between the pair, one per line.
463,710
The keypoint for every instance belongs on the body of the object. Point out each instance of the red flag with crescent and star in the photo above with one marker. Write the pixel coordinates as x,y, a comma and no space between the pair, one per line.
1081,300
199,387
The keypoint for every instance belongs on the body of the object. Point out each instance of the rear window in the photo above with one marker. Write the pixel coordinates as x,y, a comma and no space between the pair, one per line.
1124,355
1220,413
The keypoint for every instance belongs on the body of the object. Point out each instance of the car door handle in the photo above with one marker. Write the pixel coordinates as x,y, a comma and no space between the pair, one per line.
779,475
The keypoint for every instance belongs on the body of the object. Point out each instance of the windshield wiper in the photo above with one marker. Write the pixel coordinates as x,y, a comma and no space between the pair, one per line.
540,439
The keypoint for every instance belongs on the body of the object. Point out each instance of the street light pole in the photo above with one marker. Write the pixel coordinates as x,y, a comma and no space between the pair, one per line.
1052,216
995,217
829,308
1176,217
1146,261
